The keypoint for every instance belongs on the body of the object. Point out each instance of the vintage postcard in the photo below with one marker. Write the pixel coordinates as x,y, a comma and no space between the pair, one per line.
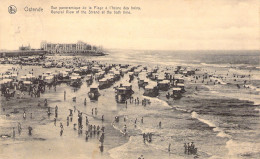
129,79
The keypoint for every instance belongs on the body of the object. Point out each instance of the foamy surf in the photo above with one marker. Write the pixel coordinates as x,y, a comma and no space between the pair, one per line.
221,133
157,101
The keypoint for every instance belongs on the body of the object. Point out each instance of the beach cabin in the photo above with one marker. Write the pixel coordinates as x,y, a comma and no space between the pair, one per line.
137,71
117,75
95,69
190,72
49,79
111,78
103,83
181,85
28,77
160,78
123,92
63,75
93,93
176,93
151,90
155,69
99,75
124,71
154,76
47,65
59,65
6,83
75,81
84,69
26,85
131,76
142,82
89,78
164,85
7,76
14,76
78,71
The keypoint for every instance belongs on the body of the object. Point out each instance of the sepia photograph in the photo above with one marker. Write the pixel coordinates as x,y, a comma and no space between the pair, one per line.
129,79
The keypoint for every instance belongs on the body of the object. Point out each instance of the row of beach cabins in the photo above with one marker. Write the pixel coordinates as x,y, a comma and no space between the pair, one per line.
99,76
73,74
155,80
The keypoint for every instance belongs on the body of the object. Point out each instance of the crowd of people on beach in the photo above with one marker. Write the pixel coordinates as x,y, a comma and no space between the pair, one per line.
190,149
90,130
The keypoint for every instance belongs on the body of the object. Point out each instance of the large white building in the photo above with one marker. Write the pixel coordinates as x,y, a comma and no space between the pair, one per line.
79,47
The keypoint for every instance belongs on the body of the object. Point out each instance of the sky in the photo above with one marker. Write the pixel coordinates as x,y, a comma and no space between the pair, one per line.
159,25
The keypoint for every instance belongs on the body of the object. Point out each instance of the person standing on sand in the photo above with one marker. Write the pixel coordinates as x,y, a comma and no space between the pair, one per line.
95,111
86,121
87,135
125,129
192,147
98,130
169,148
160,124
49,111
185,148
55,121
68,120
102,118
94,127
188,145
74,126
103,129
71,114
61,129
30,130
85,101
13,133
45,102
19,128
64,95
24,115
56,111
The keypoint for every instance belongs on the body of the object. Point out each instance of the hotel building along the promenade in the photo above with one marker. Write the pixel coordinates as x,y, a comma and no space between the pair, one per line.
79,47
